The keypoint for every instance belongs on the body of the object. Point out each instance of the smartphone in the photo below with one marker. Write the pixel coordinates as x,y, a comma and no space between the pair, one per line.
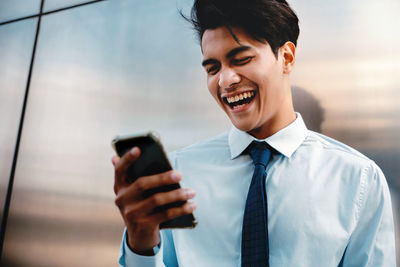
152,160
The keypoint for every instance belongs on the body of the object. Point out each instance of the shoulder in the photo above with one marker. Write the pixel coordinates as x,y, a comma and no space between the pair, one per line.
216,142
340,156
333,147
207,148
343,163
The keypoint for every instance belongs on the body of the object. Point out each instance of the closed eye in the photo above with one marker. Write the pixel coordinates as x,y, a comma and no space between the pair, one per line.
213,69
241,61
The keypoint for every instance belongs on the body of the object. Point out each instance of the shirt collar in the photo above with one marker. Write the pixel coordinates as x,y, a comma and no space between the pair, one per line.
285,141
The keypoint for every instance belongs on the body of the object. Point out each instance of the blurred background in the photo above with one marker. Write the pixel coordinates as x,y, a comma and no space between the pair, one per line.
97,69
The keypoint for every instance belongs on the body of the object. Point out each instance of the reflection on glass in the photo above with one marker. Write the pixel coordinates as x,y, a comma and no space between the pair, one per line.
16,43
11,9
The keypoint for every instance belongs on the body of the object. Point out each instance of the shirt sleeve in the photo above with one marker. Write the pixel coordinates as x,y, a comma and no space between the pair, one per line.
372,242
164,254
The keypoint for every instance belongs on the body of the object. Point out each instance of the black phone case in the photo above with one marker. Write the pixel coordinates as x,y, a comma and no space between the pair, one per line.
152,160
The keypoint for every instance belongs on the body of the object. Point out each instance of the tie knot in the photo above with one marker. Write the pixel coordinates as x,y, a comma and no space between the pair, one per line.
260,153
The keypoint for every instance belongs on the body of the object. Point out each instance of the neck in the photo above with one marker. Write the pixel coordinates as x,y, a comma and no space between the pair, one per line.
272,127
281,119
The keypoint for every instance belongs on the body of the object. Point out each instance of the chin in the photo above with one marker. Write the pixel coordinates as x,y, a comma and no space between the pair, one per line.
244,126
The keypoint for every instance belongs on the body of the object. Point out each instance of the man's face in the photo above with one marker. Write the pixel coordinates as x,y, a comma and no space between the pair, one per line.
247,81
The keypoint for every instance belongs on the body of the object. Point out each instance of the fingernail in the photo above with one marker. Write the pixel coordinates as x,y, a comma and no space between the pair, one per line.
134,151
191,193
176,176
192,205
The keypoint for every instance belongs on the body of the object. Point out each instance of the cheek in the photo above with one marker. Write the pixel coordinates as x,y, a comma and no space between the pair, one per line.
270,83
212,87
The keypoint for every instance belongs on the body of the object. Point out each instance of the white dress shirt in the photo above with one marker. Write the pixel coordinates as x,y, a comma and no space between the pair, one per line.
328,205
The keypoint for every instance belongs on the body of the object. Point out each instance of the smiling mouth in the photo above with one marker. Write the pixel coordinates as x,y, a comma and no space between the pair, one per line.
239,99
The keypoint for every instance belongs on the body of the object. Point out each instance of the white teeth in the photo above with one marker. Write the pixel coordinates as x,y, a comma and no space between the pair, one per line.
238,106
242,96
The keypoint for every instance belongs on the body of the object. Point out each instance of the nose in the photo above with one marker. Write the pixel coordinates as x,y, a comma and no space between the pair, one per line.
228,77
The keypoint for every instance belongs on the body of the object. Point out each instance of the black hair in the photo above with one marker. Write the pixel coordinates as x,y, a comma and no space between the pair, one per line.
265,20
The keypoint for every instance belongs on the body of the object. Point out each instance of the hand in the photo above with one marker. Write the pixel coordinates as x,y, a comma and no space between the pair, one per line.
142,223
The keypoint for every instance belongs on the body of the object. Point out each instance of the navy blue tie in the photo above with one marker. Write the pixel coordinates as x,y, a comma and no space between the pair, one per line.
255,250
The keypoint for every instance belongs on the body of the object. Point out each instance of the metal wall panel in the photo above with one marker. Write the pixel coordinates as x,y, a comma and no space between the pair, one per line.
348,59
100,70
50,5
11,9
16,44
119,67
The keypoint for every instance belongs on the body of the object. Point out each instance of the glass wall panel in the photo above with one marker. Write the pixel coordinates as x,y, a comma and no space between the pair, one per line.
11,9
348,59
109,68
16,44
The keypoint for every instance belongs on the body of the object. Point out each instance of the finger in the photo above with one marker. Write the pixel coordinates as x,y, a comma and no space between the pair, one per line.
134,191
123,164
128,196
130,207
145,183
173,213
131,212
114,160
160,199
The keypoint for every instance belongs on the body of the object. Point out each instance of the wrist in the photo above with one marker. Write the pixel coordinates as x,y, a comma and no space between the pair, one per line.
143,246
149,252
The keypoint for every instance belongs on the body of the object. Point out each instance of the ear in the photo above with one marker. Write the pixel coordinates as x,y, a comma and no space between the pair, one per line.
288,52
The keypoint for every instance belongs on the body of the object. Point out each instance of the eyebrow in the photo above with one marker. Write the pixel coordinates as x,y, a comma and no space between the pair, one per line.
229,55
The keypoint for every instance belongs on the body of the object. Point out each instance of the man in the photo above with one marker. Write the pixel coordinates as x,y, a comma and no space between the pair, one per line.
321,202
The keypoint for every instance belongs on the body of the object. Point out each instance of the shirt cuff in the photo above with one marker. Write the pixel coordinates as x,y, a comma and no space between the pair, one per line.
130,258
